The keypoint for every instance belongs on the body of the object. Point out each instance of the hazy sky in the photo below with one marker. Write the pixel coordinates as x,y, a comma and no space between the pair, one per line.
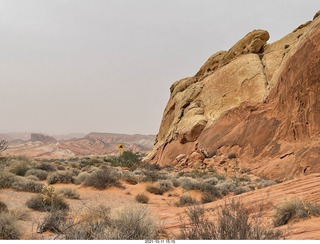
107,65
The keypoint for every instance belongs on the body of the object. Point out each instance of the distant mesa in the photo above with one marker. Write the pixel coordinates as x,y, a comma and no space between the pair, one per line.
42,138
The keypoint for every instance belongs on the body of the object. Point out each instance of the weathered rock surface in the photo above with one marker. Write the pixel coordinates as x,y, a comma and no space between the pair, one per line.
257,100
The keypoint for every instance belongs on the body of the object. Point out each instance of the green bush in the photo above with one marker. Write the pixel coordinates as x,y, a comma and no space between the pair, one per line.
142,198
126,159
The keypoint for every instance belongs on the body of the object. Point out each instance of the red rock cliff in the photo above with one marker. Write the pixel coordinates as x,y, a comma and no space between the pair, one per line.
257,100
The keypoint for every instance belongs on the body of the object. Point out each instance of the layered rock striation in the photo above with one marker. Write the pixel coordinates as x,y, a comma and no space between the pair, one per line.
257,100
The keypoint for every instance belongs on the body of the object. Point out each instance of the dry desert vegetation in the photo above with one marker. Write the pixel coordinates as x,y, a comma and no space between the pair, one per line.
120,197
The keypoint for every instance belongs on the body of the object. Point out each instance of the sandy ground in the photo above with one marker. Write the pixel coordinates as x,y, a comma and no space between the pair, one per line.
162,206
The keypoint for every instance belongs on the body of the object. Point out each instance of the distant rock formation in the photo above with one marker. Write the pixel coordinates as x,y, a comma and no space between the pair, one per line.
257,100
42,138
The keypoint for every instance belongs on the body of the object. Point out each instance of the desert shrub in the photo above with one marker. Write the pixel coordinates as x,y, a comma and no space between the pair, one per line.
133,223
210,155
61,167
225,187
294,208
245,170
90,162
126,159
47,201
82,177
142,198
39,173
240,189
8,227
233,224
186,200
47,167
187,183
32,177
102,178
94,222
54,221
23,184
232,155
19,167
152,167
207,197
3,207
211,181
313,208
6,179
18,183
153,176
263,183
199,174
61,177
20,213
160,187
68,192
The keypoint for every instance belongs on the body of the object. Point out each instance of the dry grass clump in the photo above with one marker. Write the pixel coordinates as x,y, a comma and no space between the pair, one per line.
142,198
20,213
69,192
54,221
263,183
39,173
234,223
294,208
9,230
132,223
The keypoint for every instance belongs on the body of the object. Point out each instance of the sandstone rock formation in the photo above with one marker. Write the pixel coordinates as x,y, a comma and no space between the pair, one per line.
257,100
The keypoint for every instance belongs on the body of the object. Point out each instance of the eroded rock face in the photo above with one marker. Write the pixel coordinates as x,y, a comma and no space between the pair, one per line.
258,100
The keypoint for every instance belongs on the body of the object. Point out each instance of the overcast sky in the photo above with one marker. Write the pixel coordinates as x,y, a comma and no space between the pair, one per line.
106,65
